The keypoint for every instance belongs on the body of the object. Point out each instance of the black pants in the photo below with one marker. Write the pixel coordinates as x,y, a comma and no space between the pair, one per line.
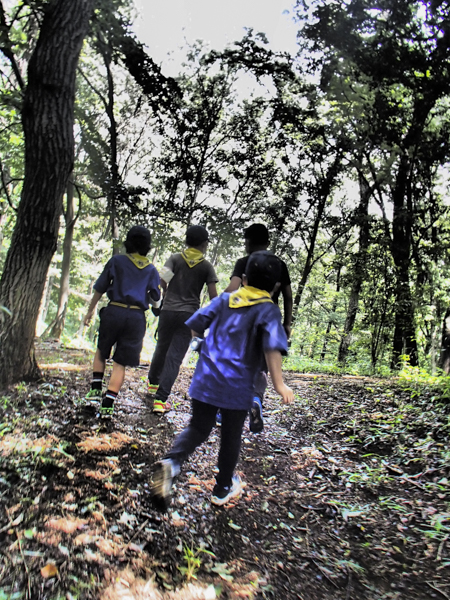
174,337
202,421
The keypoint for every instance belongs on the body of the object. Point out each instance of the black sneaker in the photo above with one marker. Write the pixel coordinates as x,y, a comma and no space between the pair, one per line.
161,485
256,416
222,494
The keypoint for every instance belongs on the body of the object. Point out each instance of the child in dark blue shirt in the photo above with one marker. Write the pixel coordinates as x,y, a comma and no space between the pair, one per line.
131,283
245,333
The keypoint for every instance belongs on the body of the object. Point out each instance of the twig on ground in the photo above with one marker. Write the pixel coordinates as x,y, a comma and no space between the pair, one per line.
349,586
138,530
441,547
433,587
324,574
26,567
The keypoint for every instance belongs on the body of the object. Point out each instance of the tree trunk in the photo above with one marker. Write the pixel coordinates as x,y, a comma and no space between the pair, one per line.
113,188
48,117
404,341
44,306
444,359
331,320
63,298
323,192
358,274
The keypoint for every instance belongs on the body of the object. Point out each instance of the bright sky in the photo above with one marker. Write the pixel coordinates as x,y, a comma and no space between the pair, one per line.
164,25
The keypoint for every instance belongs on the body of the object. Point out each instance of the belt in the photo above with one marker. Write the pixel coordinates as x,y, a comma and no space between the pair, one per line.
126,305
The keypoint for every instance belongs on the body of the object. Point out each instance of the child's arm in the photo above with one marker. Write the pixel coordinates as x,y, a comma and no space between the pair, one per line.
273,360
212,290
95,298
235,284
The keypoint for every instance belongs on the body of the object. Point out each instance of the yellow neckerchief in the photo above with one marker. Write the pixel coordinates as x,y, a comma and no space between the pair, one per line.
192,256
247,296
140,261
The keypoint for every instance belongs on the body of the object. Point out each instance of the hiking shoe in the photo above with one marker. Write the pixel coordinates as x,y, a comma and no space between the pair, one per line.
152,388
92,397
161,485
256,416
161,407
218,419
107,407
222,494
106,412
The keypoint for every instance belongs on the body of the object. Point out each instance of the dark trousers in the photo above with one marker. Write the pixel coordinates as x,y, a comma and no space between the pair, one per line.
202,421
260,384
174,337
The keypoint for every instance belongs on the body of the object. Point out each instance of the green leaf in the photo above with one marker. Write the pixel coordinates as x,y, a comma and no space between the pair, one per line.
29,533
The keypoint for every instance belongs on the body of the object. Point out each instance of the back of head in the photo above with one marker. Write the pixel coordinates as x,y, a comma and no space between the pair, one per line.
263,270
138,240
196,235
257,235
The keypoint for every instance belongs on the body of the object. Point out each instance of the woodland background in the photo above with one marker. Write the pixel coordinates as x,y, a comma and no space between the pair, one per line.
342,150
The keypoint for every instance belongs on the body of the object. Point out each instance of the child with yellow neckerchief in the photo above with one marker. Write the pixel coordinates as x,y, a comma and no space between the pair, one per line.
132,284
245,334
183,276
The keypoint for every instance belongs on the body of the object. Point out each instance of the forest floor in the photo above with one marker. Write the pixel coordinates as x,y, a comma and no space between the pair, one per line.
346,497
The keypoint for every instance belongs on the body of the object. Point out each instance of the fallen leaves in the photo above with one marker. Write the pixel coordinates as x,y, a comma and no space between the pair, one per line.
25,444
104,442
50,570
66,524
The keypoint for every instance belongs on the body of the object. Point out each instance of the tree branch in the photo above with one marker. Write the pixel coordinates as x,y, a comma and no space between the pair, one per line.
5,47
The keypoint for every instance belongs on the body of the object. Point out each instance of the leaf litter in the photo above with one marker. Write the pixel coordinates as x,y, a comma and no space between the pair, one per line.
346,495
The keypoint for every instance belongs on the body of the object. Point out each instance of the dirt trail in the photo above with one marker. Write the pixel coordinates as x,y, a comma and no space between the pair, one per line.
346,494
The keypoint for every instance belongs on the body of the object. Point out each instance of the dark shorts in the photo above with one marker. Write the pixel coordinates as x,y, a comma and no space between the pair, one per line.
124,327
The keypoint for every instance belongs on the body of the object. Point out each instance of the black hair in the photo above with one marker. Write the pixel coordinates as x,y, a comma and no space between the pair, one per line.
257,234
138,240
196,235
263,270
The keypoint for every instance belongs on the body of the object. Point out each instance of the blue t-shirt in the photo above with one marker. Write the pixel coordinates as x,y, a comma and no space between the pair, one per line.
126,283
233,351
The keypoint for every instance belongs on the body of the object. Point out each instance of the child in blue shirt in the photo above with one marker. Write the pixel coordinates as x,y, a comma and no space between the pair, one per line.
256,238
131,283
245,334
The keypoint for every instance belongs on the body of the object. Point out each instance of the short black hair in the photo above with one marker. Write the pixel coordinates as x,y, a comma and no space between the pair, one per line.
263,270
196,235
138,240
257,234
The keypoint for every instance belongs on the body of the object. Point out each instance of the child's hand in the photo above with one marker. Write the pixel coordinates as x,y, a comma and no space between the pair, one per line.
273,360
88,317
287,395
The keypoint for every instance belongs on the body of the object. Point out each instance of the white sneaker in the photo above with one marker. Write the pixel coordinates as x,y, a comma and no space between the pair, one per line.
221,494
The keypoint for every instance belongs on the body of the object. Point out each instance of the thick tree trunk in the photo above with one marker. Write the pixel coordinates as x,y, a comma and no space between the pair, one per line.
359,270
48,115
